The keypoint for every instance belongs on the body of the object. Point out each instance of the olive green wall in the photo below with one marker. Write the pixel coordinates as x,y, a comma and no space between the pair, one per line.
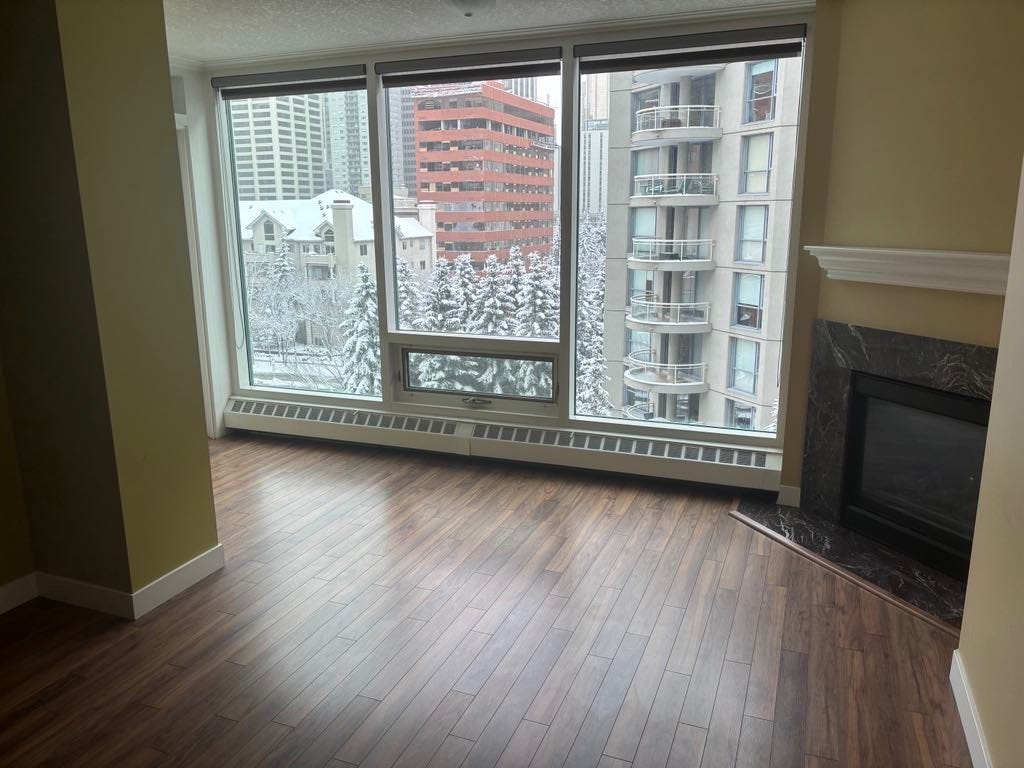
920,150
990,641
52,357
122,122
97,328
15,543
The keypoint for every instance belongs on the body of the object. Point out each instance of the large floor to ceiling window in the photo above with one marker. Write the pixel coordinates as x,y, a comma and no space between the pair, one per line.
672,280
681,274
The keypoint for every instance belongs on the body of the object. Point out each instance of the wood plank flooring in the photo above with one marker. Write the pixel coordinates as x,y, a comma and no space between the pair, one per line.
382,608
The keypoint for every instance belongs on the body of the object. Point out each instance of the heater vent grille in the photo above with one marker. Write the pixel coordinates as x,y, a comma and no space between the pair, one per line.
345,416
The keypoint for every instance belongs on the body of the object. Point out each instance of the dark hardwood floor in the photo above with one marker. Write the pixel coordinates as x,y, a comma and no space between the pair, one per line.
381,608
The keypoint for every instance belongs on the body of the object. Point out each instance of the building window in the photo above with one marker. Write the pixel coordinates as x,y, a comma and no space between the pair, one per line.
757,163
318,272
364,249
740,415
743,359
752,233
268,229
760,96
328,235
748,300
269,248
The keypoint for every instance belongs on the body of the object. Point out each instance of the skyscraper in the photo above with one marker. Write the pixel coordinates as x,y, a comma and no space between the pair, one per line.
593,189
279,147
348,138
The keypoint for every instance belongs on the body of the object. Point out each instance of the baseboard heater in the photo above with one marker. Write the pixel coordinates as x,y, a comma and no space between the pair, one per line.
688,460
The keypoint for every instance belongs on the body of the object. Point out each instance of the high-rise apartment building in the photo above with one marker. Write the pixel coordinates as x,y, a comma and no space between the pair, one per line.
594,91
279,147
593,187
486,156
700,197
402,136
522,86
348,138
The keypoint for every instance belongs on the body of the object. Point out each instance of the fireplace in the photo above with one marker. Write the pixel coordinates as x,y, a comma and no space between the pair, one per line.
913,468
895,439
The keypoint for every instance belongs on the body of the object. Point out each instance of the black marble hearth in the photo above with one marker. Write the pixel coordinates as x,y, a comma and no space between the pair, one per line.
933,592
840,349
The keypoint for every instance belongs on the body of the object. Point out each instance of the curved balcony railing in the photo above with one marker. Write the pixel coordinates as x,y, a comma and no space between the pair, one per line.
646,308
664,184
644,411
688,116
653,249
642,367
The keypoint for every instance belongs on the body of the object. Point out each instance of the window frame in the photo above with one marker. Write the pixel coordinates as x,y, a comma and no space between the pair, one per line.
734,323
392,340
745,172
741,210
734,342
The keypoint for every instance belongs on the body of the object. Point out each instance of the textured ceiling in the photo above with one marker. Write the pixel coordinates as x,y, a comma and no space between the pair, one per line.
226,30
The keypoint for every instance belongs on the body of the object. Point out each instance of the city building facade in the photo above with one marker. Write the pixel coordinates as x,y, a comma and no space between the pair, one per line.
593,186
700,197
279,147
348,138
487,158
330,235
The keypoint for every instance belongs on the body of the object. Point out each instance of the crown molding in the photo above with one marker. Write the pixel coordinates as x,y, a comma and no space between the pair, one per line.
654,25
961,271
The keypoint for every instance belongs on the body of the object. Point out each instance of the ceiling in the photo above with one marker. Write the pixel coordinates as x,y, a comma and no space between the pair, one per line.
213,31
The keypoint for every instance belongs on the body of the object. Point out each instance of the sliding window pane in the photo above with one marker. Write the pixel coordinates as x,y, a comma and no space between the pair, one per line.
489,375
306,241
473,172
657,292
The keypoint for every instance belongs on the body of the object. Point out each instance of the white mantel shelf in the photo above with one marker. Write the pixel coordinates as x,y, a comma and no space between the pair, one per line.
962,271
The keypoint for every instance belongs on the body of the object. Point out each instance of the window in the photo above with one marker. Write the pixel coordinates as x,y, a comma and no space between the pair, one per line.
743,359
752,233
740,415
760,104
481,305
757,159
748,300
288,305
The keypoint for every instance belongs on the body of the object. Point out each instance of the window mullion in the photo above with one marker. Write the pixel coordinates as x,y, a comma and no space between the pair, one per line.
383,203
567,209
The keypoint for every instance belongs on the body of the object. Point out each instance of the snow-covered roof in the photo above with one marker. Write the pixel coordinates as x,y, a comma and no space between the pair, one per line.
407,228
303,219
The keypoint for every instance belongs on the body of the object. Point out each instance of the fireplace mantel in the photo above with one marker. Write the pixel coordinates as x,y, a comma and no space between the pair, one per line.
963,271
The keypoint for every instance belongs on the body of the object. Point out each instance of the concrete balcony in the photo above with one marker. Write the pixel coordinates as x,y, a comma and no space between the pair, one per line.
643,373
661,126
647,313
671,255
700,189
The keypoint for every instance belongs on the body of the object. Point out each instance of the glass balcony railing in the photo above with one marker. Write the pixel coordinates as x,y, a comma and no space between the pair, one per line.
653,249
664,184
641,366
688,116
646,308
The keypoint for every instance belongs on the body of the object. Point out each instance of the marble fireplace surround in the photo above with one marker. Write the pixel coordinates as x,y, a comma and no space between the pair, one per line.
839,350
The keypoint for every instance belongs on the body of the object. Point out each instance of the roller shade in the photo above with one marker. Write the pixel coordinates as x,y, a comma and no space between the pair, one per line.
298,81
692,50
534,62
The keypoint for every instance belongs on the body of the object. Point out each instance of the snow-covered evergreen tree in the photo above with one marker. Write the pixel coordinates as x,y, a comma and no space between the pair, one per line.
464,281
494,310
537,304
441,307
360,363
591,367
514,270
410,296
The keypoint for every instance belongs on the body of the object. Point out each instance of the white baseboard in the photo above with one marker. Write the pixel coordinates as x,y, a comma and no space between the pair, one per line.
174,582
128,605
21,590
968,713
85,595
789,495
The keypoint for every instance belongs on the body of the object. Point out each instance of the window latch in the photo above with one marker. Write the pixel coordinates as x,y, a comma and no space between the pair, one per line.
476,402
